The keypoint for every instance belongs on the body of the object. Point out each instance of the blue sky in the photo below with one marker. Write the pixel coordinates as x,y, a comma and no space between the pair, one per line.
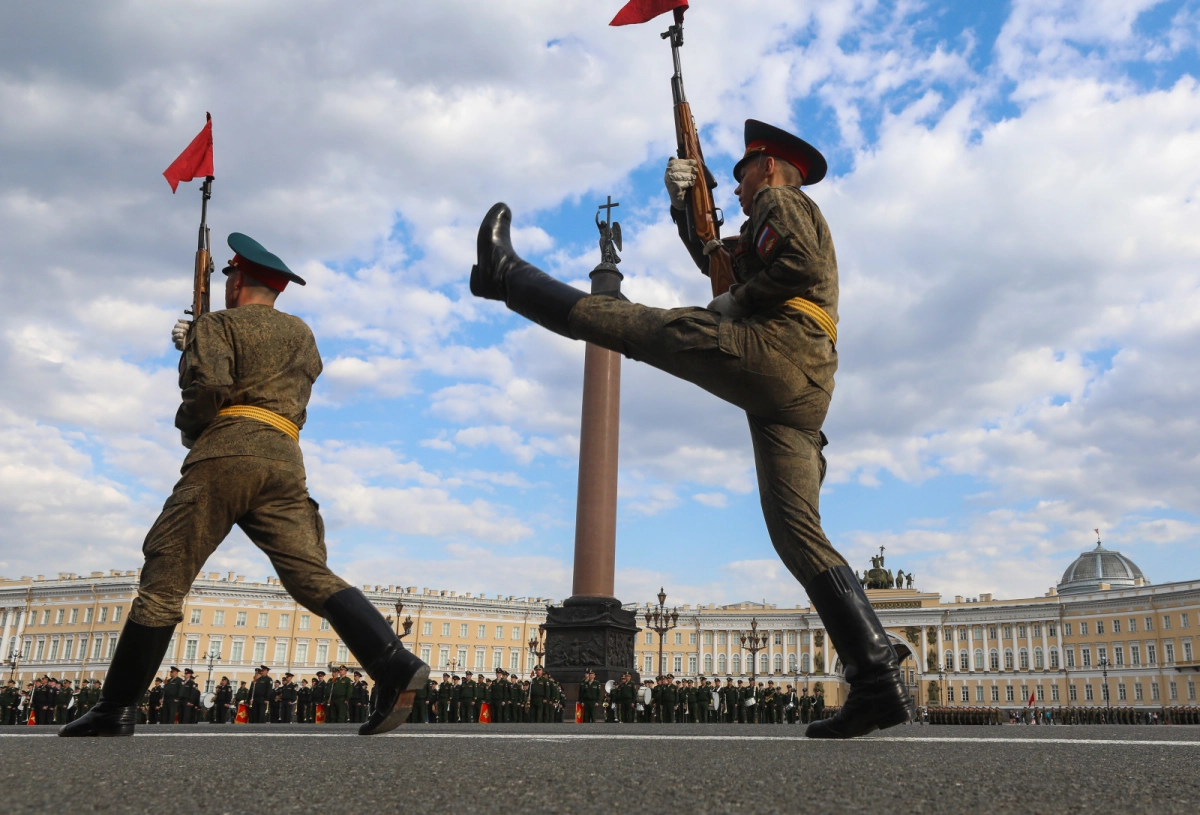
1012,193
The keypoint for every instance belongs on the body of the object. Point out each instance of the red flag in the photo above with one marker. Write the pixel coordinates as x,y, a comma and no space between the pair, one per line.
32,718
243,714
579,713
641,11
319,718
485,713
195,161
1031,697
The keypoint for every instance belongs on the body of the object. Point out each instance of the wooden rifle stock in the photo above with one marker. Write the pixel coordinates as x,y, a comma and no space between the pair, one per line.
202,280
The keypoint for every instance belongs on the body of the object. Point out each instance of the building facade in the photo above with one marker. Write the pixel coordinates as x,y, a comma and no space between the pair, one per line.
1103,637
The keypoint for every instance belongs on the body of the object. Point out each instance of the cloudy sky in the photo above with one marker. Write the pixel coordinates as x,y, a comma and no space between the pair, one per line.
1014,194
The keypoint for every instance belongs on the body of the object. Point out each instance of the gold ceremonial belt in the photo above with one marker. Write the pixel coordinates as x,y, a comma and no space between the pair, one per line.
267,417
819,314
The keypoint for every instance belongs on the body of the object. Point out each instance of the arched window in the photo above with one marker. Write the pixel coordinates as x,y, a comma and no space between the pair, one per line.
737,664
995,659
964,661
708,663
779,663
721,664
1054,658
979,659
1024,659
805,664
1039,661
948,660
1008,659
791,663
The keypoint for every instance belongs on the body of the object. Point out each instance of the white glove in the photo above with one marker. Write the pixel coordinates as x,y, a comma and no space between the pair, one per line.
680,176
179,333
727,307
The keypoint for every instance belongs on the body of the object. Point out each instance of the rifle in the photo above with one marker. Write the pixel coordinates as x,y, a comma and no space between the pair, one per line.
704,219
204,263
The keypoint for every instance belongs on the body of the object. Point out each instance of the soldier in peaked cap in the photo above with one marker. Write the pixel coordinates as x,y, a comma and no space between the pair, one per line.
768,346
246,374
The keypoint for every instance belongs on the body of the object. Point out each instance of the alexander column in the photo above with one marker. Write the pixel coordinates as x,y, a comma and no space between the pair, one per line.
590,629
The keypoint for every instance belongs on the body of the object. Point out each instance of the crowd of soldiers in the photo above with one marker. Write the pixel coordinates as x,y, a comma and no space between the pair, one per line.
347,697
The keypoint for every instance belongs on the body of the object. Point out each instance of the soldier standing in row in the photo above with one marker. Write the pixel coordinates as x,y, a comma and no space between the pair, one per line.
10,697
360,699
303,701
288,695
260,695
154,702
466,699
340,691
172,690
539,696
590,692
444,697
245,374
768,346
320,696
189,698
222,701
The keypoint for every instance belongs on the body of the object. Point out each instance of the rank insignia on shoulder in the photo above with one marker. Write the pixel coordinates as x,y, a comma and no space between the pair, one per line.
767,242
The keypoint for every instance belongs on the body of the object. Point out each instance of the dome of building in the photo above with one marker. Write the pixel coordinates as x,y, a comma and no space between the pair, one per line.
1100,566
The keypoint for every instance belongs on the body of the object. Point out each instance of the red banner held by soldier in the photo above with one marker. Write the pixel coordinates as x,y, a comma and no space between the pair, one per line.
196,161
642,11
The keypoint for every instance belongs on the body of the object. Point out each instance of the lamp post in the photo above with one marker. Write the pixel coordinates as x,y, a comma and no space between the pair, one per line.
213,656
941,689
1104,663
537,645
408,621
14,659
754,642
660,620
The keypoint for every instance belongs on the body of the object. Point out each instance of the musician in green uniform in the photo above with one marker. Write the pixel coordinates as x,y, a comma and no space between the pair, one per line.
768,346
9,698
340,691
172,691
466,698
539,696
260,695
246,374
320,696
590,692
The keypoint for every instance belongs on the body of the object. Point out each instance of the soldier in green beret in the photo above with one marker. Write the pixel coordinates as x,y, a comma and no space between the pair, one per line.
245,375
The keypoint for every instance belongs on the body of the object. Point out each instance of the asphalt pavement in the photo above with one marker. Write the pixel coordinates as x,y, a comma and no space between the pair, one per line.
658,769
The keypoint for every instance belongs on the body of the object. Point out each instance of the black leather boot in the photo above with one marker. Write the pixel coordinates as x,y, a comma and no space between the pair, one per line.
138,656
877,697
501,275
397,673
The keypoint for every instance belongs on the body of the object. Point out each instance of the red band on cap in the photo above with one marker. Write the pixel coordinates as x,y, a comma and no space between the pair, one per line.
268,277
780,151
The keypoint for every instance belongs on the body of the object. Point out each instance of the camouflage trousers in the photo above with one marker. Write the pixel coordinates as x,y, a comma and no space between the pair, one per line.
731,360
268,500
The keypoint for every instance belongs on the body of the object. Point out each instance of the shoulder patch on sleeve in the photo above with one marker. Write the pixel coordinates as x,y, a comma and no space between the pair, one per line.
768,242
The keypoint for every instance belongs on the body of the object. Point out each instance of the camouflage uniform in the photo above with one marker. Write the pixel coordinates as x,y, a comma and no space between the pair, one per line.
776,363
240,470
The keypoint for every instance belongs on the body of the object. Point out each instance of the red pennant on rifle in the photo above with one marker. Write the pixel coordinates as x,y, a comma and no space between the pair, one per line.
194,162
642,11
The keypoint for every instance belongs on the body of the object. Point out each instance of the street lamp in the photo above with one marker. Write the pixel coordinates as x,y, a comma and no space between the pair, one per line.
213,656
660,620
1104,663
14,659
537,645
408,621
754,642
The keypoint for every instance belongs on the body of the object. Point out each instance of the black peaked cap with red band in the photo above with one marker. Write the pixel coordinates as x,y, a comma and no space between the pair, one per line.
250,257
765,139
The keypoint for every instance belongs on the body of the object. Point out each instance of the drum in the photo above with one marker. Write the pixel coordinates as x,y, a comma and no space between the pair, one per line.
647,695
751,702
608,686
208,699
716,701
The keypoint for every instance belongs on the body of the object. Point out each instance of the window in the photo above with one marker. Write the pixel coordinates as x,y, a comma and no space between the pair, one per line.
1021,631
791,663
994,660
1149,624
87,615
1072,695
1054,659
112,646
1083,628
1087,657
806,664
649,669
779,663
1008,632
1183,620
497,658
240,620
324,624
1116,626
1088,694
260,652
499,636
979,660
1054,693
966,693
1024,655
1008,693
995,693
323,653
103,615
1066,629
1121,695
481,634
649,638
514,659
962,634
1187,651
736,662
963,661
302,653
708,638
1151,653
427,630
58,616
1137,692
195,617
1102,654
479,656
1099,626
948,660
444,658
46,617
1041,693
1169,651
305,620
779,638
1154,691
1166,622
1133,625
679,638
1135,654
692,638
262,619
285,621
218,619
722,638
1008,659
947,635
1070,657
1038,661
979,693
68,647
1051,630
791,638
281,651
189,650
1191,691
54,648
462,658
721,664
708,663
445,629
1119,654
462,630
99,642
992,635
678,663
343,654
1037,629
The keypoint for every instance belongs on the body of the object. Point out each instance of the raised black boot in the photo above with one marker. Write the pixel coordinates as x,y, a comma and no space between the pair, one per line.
397,673
138,656
877,697
499,274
